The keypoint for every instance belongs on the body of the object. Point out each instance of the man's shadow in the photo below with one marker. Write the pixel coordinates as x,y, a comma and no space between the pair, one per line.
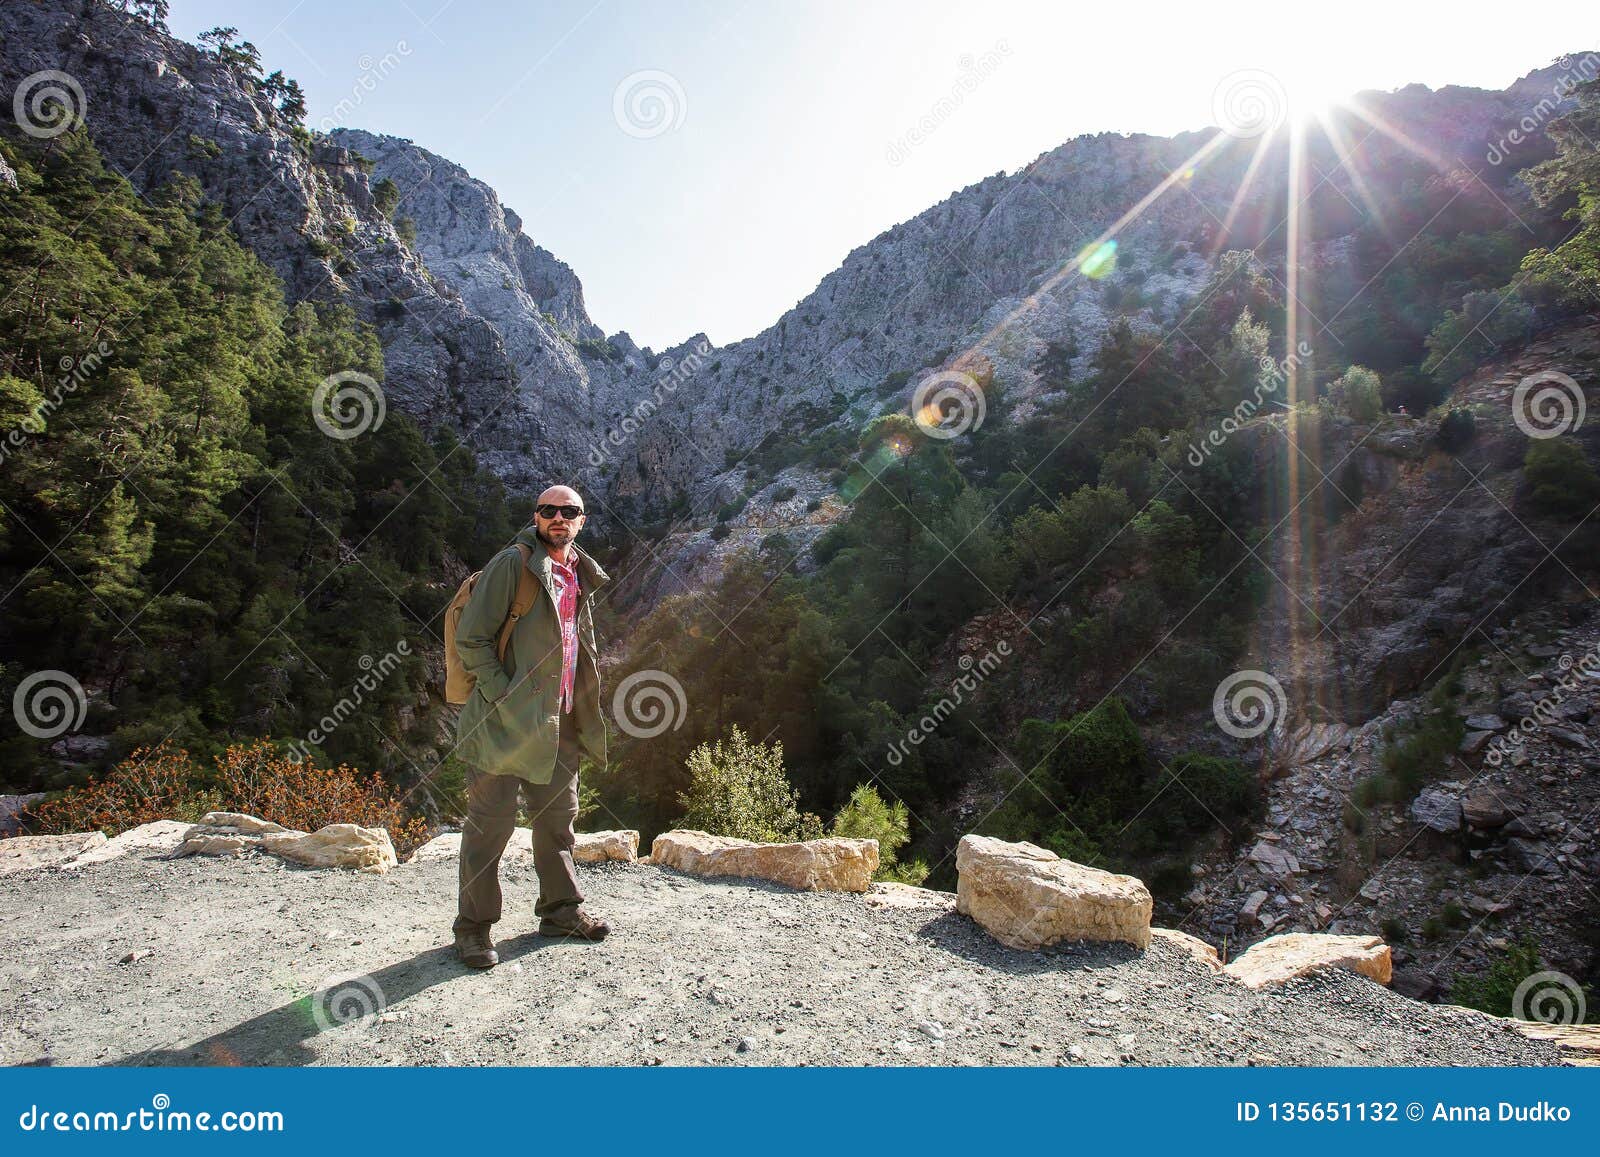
278,1037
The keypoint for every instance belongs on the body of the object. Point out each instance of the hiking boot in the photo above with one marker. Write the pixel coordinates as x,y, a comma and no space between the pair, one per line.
475,948
577,923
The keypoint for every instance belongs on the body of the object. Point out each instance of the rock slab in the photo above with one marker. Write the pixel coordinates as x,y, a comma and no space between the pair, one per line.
1202,952
330,846
335,846
22,853
827,865
161,836
589,848
1028,897
599,847
1290,954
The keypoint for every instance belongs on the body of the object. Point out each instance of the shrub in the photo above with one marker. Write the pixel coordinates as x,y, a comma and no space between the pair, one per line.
204,147
1487,321
153,783
740,790
1197,792
1495,991
386,197
1098,751
406,229
720,531
1421,755
1563,481
255,778
1358,393
892,382
868,817
1456,429
259,780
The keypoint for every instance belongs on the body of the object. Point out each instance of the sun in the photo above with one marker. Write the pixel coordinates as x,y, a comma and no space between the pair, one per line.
1256,102
1310,93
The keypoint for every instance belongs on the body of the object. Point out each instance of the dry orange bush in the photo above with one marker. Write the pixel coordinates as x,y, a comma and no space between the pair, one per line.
154,783
161,783
257,779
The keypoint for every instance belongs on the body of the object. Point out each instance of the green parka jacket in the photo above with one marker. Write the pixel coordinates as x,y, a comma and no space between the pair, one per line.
508,724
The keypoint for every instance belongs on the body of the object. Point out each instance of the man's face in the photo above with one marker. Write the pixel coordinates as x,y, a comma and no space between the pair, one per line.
558,517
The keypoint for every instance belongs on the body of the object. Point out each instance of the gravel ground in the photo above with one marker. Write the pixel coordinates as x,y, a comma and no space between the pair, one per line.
202,961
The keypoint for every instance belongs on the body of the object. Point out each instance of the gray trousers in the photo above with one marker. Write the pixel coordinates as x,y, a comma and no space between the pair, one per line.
491,817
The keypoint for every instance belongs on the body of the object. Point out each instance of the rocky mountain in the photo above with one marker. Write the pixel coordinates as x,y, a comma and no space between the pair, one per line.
486,331
489,357
694,452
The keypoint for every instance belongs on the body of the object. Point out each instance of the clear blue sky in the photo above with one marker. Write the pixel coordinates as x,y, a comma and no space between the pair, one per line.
776,161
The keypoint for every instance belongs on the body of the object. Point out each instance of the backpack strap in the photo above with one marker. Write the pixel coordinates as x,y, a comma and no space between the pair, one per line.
522,602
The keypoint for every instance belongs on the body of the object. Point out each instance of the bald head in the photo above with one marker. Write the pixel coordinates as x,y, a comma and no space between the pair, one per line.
559,496
557,518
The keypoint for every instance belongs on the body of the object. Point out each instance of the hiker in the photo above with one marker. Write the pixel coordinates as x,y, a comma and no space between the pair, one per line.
529,684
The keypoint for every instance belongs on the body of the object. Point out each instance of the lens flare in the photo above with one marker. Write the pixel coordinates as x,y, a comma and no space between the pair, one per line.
1097,261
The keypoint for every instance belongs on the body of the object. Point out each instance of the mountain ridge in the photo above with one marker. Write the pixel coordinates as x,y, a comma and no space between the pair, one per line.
490,373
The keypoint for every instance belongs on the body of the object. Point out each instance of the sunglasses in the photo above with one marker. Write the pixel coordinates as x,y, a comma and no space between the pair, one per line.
567,512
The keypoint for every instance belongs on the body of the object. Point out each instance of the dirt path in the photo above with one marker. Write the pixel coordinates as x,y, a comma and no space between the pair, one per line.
228,958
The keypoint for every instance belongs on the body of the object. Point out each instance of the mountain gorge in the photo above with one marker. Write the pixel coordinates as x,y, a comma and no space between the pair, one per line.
1229,402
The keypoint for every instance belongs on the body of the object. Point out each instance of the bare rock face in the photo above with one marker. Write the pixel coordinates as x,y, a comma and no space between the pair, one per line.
335,846
1028,897
598,847
827,865
23,853
161,836
1283,957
